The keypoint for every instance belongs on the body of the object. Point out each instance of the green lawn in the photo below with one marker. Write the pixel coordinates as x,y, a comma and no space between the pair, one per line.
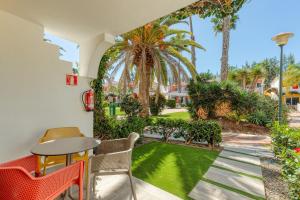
177,115
173,168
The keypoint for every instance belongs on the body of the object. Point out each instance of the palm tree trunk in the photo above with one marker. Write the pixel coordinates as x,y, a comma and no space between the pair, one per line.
179,77
193,39
144,85
244,83
225,49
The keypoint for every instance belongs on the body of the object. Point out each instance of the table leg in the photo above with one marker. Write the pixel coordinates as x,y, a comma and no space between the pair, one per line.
68,162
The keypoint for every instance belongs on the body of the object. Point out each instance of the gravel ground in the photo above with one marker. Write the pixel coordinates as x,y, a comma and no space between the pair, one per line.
276,188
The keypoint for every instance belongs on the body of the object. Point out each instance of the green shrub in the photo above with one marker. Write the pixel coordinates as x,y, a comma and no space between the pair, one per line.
284,141
105,104
171,103
157,104
258,117
114,129
253,107
131,106
167,127
194,131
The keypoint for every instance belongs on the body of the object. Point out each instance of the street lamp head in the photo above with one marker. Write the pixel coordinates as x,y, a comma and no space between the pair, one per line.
282,38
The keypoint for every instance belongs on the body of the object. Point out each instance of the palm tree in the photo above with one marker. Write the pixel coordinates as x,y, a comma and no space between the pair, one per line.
225,14
193,39
151,55
240,76
257,72
224,25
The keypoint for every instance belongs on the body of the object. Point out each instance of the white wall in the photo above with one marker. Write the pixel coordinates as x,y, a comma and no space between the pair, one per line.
33,93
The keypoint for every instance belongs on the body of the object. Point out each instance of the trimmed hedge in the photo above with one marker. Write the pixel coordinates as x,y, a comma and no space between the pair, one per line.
114,129
194,131
286,143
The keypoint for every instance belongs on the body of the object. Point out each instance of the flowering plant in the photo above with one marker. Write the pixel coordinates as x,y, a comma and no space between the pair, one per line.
297,150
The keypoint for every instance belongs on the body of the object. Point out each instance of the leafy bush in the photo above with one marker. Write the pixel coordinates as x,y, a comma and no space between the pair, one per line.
157,104
131,106
258,117
113,128
171,103
194,131
209,97
285,140
105,104
167,127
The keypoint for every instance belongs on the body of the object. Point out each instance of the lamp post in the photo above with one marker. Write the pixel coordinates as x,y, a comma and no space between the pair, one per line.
281,40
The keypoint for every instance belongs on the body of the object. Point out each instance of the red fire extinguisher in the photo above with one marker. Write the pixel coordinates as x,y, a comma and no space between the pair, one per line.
88,100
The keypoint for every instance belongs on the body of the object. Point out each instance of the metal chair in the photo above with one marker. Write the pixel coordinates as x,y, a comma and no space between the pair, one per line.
113,157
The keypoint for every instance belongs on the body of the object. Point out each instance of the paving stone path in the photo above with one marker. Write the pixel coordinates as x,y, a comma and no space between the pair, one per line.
236,174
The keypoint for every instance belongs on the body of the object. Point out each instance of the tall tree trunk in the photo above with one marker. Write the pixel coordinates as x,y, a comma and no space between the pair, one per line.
193,39
225,49
144,85
244,83
179,77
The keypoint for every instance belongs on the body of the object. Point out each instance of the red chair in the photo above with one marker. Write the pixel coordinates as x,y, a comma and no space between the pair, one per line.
17,181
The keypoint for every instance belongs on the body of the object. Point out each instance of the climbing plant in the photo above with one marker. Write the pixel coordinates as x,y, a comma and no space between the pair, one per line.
101,129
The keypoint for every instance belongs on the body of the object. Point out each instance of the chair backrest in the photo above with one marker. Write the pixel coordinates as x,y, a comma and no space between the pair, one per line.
58,133
132,138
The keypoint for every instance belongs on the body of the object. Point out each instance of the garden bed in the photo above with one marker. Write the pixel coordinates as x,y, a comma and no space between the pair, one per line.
242,127
275,186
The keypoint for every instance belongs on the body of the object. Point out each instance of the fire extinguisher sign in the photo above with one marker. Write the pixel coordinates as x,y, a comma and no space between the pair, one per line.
71,79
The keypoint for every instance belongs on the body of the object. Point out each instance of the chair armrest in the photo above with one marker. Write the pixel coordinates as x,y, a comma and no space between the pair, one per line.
29,163
111,146
111,161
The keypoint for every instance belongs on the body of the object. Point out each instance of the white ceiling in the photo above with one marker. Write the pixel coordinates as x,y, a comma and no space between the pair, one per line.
84,19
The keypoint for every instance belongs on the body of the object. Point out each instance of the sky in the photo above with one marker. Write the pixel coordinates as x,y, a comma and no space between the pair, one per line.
259,21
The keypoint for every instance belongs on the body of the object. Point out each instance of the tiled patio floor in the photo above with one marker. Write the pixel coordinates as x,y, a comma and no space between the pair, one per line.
117,187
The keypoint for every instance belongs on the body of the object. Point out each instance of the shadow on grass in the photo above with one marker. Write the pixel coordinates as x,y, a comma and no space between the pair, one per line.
173,168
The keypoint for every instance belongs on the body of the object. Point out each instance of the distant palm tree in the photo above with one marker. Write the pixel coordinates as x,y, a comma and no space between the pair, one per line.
241,76
151,54
257,72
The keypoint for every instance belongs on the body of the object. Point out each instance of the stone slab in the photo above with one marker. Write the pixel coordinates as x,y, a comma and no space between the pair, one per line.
253,151
244,183
117,187
207,191
238,166
240,157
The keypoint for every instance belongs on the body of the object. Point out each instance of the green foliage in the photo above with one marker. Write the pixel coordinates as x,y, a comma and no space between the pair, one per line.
199,131
245,106
130,105
167,127
258,117
105,104
284,141
190,131
114,129
171,103
157,104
